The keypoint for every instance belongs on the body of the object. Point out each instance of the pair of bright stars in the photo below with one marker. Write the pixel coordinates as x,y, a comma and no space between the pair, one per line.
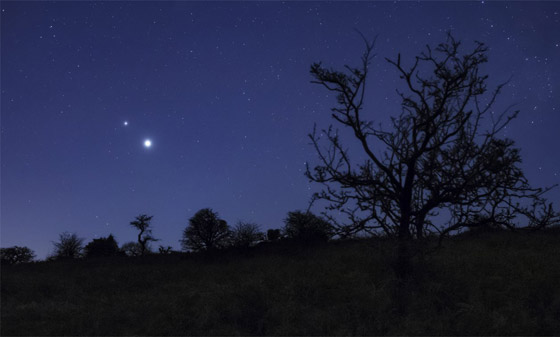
147,142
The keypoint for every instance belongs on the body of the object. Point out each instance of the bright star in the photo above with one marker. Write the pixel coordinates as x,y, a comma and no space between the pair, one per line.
147,143
125,123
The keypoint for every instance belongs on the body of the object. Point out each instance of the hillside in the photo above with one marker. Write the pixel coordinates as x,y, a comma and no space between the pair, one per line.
488,284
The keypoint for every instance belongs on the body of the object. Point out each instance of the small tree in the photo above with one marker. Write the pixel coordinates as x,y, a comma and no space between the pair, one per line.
273,235
14,255
306,226
441,155
206,231
245,234
69,246
102,247
165,250
132,249
142,223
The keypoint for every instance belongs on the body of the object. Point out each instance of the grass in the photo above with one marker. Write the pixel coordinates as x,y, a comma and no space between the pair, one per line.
490,284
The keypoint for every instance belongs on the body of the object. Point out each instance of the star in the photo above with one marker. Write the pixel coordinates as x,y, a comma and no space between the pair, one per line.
125,123
147,143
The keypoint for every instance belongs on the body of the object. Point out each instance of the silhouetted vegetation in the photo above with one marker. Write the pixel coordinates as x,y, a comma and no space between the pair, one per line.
206,231
441,156
134,249
307,227
245,234
69,246
273,235
498,283
142,223
16,254
102,247
165,250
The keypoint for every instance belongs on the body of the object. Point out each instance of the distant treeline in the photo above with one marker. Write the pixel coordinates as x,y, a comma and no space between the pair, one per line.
206,231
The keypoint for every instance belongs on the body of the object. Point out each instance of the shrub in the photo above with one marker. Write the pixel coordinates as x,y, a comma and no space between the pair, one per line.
273,235
246,234
133,249
15,254
102,247
69,246
306,226
165,250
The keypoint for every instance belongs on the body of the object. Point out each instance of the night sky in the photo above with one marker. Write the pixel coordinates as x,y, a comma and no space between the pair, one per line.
222,90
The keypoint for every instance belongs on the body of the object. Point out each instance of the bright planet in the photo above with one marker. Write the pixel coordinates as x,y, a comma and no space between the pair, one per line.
147,143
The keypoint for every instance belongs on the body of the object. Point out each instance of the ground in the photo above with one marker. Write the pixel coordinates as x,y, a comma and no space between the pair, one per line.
484,284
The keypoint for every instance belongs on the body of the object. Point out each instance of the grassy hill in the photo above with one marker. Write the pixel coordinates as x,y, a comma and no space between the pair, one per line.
490,284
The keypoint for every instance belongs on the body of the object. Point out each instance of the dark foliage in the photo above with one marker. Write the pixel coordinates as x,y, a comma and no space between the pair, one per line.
273,235
102,247
246,234
134,249
165,250
206,231
307,227
142,223
16,254
69,246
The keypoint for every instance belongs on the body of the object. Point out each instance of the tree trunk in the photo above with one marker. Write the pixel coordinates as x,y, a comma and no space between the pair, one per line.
403,265
420,243
419,226
142,244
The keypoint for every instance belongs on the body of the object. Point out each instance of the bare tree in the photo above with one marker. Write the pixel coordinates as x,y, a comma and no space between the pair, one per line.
69,246
206,231
142,223
442,155
246,234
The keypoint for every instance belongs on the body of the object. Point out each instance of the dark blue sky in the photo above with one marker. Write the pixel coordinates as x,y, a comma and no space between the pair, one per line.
222,89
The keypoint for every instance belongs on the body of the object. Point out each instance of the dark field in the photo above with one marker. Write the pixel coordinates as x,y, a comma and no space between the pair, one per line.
491,284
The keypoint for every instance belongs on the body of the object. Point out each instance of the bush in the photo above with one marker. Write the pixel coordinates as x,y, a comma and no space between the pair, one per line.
306,226
165,250
273,235
69,246
206,231
102,247
133,249
246,234
15,254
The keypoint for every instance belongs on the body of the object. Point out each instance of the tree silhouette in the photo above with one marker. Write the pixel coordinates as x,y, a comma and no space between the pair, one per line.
206,231
441,156
307,227
102,247
69,246
16,254
245,234
132,249
165,250
142,223
273,235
